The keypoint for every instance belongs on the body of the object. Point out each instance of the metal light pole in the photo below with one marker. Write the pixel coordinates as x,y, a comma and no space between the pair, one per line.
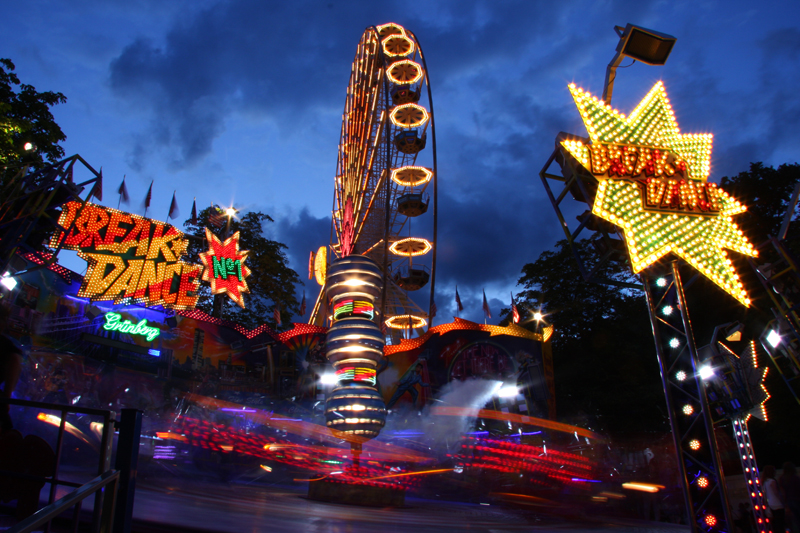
687,404
648,198
640,44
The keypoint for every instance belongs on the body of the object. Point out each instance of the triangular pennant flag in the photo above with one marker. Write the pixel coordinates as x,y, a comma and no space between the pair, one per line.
486,310
459,305
97,190
123,192
148,197
303,306
174,212
194,212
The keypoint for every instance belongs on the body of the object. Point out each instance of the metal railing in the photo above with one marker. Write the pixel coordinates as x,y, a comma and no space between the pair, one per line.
45,515
119,481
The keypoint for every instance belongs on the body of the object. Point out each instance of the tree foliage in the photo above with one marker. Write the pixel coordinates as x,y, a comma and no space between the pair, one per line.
271,282
766,191
604,359
554,285
25,117
606,369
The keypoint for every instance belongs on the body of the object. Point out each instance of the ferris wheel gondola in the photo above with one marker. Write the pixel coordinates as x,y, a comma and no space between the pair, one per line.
386,177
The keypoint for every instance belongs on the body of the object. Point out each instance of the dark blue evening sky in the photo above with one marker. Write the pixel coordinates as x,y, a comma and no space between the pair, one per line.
241,102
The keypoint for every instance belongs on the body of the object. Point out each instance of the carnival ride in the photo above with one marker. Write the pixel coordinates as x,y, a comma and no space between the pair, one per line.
30,209
384,201
777,270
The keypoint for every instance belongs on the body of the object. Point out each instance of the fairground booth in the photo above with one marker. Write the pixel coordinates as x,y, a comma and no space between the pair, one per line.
127,334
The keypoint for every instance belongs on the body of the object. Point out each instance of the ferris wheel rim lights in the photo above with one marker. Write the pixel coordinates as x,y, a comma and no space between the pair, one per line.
411,169
396,246
414,321
380,133
401,110
390,26
393,48
398,65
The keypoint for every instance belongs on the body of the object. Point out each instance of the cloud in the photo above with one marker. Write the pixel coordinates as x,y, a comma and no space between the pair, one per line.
288,60
499,73
234,57
302,234
494,215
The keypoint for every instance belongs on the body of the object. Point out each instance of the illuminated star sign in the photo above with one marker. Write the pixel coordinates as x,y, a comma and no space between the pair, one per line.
225,268
652,184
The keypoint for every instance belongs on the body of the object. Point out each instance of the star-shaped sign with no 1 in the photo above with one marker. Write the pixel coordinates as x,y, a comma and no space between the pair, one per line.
225,268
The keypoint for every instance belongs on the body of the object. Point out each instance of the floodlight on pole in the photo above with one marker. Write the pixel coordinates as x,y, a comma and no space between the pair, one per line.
640,44
731,331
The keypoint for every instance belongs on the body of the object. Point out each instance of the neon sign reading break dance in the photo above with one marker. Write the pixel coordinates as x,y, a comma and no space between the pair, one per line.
130,258
114,322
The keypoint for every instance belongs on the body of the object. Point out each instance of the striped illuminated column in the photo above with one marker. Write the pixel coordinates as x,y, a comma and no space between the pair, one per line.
355,347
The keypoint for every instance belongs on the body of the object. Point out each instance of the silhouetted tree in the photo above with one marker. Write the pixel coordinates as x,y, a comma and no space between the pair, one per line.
603,349
766,191
271,282
25,117
604,359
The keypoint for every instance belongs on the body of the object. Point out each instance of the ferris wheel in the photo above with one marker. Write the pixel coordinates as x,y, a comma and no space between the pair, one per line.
384,201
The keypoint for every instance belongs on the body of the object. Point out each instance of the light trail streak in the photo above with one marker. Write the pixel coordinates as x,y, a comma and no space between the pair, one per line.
527,498
420,473
313,479
375,449
54,420
167,435
642,487
519,419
